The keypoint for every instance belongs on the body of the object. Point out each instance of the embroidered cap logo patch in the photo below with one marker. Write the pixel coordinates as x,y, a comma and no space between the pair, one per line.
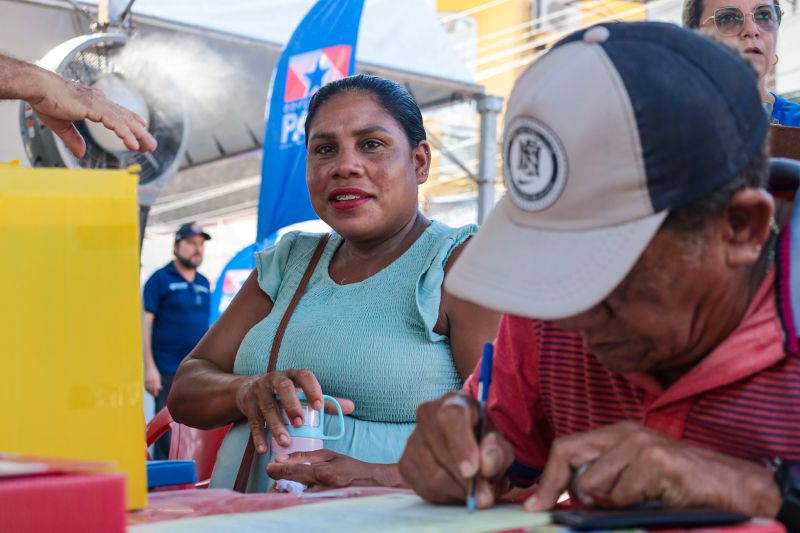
535,166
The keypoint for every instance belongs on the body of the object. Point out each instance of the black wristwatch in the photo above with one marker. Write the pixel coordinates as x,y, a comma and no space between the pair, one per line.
787,477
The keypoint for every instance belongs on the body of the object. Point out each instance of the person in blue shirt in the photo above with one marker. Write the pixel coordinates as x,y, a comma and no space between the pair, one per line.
176,315
750,26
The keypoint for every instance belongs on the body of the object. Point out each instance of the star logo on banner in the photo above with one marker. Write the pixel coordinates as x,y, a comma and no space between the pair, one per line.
315,77
309,71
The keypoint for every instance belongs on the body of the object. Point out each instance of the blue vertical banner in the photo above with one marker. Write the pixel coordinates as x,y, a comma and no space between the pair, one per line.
322,49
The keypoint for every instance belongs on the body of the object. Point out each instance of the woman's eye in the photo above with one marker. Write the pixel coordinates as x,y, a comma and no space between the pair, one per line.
764,15
727,18
371,144
324,149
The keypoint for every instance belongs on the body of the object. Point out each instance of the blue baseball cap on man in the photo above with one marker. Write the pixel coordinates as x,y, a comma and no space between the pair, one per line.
604,135
189,230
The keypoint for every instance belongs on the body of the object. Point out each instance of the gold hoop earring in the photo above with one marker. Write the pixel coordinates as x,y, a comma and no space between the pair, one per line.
776,60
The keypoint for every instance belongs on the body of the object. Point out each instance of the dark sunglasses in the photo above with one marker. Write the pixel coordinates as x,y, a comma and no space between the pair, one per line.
730,20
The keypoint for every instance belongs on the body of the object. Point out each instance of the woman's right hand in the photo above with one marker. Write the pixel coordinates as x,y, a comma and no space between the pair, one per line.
256,400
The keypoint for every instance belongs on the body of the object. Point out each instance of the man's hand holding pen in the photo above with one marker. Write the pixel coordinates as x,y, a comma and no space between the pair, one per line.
443,454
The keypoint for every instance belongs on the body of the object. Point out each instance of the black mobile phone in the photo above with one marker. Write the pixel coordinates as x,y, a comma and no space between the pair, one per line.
592,519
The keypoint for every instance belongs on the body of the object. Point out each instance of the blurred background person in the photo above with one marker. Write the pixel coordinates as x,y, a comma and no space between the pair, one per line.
176,315
750,26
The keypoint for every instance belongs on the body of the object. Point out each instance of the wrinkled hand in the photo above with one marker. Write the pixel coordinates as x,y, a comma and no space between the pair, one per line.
152,380
629,464
324,469
256,400
442,454
59,103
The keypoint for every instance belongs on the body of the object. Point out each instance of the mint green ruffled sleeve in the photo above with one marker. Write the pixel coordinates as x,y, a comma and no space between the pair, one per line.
271,264
429,286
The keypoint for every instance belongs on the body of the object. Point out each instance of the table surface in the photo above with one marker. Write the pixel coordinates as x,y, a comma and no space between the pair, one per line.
193,503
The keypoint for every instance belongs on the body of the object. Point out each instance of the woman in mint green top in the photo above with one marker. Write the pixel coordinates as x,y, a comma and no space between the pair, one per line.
373,326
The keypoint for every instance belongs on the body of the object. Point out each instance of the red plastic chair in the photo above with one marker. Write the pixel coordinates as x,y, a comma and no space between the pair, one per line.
200,445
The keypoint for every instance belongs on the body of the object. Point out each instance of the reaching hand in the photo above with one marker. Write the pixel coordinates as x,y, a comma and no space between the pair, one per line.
59,103
442,455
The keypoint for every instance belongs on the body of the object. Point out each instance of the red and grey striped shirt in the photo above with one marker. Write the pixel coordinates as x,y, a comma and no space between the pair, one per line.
742,399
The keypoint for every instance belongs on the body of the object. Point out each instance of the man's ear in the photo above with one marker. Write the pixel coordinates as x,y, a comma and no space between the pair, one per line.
746,225
422,161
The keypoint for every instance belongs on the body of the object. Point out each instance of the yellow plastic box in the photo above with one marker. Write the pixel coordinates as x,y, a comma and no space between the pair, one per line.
71,363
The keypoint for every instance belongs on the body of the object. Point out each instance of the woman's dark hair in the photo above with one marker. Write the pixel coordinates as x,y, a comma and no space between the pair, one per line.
692,10
391,96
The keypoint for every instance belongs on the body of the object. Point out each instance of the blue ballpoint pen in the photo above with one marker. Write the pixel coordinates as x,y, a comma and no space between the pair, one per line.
484,380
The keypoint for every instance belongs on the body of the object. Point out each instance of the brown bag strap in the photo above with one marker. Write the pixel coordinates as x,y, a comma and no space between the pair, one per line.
243,476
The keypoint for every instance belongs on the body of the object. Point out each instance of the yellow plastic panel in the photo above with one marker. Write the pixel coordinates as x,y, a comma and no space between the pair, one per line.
71,364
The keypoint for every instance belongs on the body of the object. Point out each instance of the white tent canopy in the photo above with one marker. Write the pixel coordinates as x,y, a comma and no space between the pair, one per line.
221,56
394,35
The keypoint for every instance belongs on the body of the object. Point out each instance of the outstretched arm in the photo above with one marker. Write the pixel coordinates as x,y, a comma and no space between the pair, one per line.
59,103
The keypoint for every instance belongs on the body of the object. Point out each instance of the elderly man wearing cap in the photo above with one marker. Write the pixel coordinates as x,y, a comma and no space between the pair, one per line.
637,235
177,309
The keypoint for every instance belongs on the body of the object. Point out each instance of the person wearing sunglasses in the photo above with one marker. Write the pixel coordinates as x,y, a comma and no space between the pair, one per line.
750,26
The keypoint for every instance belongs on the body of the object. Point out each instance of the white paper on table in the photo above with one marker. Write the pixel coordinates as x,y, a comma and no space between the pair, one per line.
387,514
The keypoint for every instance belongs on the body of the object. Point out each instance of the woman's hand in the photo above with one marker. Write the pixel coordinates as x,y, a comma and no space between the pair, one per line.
324,469
257,400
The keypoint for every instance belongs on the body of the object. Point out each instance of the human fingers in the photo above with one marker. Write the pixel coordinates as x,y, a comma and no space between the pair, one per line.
67,132
153,384
305,380
348,406
635,484
305,474
73,140
458,450
600,480
147,143
255,421
567,454
426,476
496,455
249,405
313,457
116,119
681,475
270,410
127,125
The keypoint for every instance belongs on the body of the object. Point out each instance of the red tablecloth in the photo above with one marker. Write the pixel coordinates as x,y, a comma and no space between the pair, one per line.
175,504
